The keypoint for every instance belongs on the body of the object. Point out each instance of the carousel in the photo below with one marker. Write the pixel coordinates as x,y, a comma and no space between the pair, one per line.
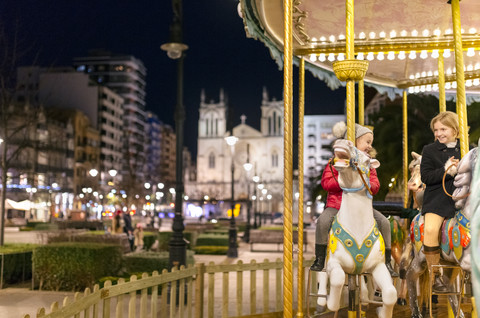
400,48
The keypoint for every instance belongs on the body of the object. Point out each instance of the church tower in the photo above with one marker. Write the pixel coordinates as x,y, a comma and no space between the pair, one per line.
272,116
212,122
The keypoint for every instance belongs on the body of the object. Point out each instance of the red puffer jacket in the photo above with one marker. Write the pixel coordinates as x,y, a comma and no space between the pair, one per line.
329,183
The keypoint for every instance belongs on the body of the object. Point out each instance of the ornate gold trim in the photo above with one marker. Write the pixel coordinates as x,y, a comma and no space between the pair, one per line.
350,70
298,16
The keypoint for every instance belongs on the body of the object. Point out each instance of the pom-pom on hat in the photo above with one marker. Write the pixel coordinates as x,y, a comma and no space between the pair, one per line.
339,130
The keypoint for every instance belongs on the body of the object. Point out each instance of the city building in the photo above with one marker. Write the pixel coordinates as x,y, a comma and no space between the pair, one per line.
126,76
262,148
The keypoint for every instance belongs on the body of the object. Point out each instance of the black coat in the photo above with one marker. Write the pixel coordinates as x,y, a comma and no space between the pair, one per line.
432,169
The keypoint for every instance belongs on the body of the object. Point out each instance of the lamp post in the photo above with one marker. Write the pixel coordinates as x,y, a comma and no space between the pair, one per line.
232,231
248,166
256,179
175,50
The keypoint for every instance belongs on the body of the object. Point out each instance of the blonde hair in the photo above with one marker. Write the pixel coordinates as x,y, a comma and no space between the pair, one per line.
449,119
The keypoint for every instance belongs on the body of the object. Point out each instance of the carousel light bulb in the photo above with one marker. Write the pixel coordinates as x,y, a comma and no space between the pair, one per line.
454,85
469,67
435,87
448,71
471,52
446,53
423,74
435,73
341,57
403,33
380,56
391,55
422,89
412,76
448,31
462,30
477,66
425,32
411,90
417,75
381,35
417,89
332,38
429,73
401,55
476,82
331,57
424,54
412,55
322,57
414,33
429,88
362,35
371,35
360,56
341,37
393,34
437,32
468,83
314,39
313,57
370,56
472,30
435,54
323,39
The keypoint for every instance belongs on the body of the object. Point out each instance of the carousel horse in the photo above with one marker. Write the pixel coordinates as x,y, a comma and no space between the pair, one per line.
355,243
454,238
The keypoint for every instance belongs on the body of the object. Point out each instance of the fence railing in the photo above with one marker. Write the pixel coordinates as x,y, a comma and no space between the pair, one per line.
225,289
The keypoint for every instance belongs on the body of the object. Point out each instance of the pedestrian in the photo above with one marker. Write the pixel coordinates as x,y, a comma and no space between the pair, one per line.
138,235
128,229
117,222
438,157
363,142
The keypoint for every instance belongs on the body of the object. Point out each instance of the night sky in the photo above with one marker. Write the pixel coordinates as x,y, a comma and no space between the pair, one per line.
219,55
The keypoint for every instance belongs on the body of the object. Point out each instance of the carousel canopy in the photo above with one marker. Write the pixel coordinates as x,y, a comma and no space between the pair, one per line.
401,39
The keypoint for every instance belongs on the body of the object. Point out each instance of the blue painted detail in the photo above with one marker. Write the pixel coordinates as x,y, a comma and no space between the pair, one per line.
358,253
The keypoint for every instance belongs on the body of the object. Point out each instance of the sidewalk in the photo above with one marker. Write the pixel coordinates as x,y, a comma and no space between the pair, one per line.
17,302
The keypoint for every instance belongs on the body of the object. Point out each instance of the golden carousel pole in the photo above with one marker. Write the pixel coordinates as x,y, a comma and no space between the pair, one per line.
441,83
288,165
361,102
459,66
350,55
405,150
301,113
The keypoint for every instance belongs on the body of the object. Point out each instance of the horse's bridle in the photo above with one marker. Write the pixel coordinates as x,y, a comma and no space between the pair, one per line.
361,171
445,190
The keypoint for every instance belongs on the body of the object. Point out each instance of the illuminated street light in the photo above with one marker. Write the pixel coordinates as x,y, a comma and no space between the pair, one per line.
232,231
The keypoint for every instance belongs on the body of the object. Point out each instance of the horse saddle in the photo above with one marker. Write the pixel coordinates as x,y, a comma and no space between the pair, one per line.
454,234
359,253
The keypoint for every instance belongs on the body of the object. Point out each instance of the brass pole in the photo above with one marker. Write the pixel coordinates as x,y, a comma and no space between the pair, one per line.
288,165
350,83
405,150
361,102
441,83
459,66
301,113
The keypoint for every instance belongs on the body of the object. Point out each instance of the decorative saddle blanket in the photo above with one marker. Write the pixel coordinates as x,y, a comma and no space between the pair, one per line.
359,253
454,234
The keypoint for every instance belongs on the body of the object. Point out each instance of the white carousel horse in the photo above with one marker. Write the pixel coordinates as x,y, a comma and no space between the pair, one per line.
355,243
454,234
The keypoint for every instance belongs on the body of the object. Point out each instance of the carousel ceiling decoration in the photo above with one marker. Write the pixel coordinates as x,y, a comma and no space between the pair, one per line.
403,40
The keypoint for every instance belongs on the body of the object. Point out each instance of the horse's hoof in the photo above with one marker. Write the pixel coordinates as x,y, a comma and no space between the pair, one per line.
401,301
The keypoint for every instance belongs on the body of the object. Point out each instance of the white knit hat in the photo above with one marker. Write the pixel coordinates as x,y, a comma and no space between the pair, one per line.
339,130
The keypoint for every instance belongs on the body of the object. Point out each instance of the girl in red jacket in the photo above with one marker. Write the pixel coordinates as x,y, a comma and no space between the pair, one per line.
363,142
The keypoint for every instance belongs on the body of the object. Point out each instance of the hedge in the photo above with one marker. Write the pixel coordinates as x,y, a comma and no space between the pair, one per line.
211,250
150,261
212,240
75,266
165,237
17,266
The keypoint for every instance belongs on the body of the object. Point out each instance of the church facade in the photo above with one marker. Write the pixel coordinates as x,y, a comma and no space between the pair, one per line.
263,149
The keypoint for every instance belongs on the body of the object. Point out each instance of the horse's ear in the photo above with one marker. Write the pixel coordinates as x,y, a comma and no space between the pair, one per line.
374,163
415,155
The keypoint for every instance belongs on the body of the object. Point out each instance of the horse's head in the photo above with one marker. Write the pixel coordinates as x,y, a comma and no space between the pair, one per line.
463,179
415,183
353,166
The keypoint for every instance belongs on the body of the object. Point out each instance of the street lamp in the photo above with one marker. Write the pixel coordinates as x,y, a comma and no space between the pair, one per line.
255,179
248,167
175,49
232,231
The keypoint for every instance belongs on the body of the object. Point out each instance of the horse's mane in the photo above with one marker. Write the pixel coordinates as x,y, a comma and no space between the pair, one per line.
463,178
